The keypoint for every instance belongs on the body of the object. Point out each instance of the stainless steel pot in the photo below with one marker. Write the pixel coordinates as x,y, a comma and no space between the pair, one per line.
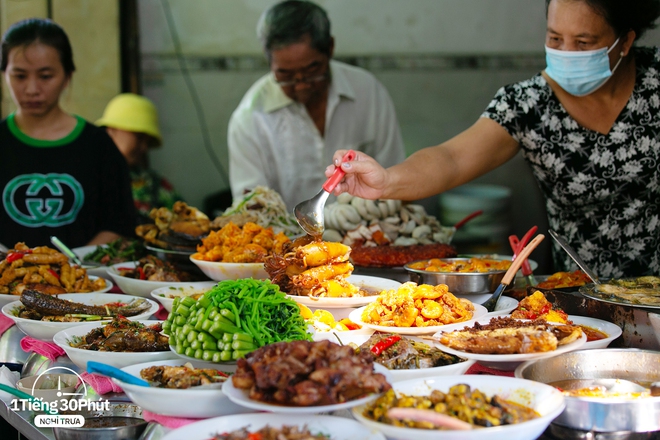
120,421
459,283
602,415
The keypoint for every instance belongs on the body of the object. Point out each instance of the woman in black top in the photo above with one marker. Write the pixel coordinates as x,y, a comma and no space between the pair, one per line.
59,175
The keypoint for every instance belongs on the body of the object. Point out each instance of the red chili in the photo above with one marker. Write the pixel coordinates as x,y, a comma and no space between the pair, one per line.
546,309
384,344
141,272
14,256
53,273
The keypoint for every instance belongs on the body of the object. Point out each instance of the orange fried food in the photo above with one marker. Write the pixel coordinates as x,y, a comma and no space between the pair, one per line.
413,305
536,306
233,244
565,279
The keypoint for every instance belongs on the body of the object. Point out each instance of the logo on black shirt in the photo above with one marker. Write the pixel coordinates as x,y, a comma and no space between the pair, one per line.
36,200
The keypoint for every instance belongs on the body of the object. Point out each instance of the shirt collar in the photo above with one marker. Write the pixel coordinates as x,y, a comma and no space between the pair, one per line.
275,99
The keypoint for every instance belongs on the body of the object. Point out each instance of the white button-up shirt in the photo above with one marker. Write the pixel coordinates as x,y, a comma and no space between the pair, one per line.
273,141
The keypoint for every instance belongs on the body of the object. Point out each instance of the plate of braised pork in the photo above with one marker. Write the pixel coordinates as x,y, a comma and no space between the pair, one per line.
306,377
42,316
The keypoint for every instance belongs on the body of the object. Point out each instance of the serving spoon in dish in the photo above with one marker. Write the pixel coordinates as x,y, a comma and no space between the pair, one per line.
491,303
574,255
116,373
309,214
69,253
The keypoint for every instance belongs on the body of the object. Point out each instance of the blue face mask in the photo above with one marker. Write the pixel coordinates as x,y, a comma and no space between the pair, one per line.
580,72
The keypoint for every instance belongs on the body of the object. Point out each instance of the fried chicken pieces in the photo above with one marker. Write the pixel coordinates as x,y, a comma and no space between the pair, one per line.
304,373
313,268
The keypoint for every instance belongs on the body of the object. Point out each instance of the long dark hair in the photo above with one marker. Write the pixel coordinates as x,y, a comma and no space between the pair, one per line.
290,21
625,15
40,30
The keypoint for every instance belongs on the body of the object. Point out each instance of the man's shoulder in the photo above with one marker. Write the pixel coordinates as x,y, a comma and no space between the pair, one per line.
257,95
353,73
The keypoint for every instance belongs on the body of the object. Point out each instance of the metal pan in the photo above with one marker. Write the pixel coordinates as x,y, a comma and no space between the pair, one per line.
602,415
649,300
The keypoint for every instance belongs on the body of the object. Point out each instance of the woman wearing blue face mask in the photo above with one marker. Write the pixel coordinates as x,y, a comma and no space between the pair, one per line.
588,125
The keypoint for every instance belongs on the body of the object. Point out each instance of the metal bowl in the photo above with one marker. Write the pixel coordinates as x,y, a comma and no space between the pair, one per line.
592,413
459,283
120,421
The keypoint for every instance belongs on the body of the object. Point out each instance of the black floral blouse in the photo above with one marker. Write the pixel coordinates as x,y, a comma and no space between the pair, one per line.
602,190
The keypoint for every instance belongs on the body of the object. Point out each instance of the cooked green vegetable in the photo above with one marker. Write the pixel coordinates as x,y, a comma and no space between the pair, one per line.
232,319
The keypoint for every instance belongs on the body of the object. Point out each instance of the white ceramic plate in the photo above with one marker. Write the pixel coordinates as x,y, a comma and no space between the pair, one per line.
371,284
356,317
80,356
166,295
143,288
503,361
219,271
241,397
399,375
45,331
338,428
192,402
6,298
546,400
612,331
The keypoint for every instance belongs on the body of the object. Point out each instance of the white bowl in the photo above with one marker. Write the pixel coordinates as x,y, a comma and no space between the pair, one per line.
193,403
45,331
349,337
544,399
613,331
231,271
166,295
6,298
142,288
117,359
62,383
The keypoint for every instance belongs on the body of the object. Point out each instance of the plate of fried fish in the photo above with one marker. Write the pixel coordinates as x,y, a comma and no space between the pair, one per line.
41,316
504,342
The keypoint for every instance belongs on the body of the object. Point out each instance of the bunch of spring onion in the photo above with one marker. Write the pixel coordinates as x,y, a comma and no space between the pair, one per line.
232,319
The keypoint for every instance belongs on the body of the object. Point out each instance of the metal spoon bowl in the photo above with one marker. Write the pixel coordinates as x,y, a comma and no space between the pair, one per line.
491,303
309,213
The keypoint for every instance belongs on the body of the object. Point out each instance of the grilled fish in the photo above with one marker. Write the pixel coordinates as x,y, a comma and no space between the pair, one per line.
49,305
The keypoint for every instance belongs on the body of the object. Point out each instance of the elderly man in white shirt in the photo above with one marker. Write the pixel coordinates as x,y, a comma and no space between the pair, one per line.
288,125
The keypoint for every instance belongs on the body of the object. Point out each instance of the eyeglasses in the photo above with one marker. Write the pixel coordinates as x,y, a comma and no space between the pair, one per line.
304,80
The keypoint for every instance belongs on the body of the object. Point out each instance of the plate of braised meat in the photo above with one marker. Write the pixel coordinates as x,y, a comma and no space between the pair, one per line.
305,377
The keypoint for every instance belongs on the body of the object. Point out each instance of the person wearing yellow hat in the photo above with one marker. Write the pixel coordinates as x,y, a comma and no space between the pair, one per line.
132,122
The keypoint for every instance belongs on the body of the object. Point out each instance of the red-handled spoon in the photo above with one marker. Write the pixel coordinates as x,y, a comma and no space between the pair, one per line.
309,214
